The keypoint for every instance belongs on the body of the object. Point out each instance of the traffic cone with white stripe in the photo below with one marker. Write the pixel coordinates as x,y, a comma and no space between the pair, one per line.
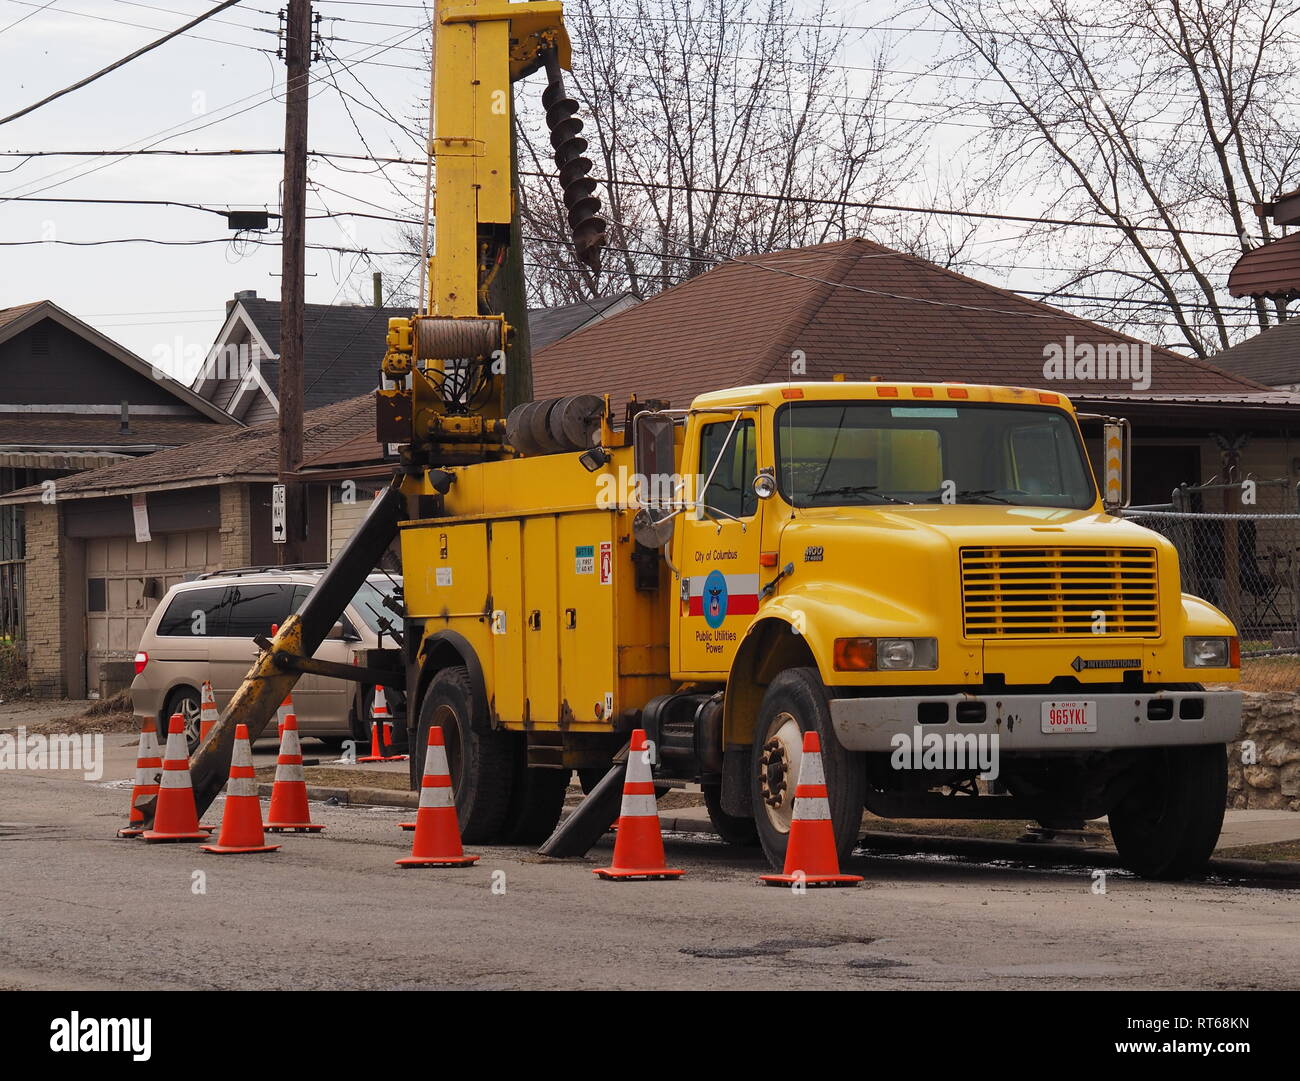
288,811
383,717
208,715
176,818
638,845
437,833
241,822
148,765
810,855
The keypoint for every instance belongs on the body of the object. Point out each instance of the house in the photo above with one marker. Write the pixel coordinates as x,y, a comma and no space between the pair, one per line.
73,400
546,326
342,347
857,310
104,552
1271,357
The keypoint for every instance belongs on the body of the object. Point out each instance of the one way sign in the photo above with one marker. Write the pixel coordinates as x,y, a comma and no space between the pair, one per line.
278,533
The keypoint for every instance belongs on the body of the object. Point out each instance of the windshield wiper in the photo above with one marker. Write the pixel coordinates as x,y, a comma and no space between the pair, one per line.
859,489
973,493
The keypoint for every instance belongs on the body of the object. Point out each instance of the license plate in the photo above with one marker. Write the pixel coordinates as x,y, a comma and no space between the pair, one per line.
1069,716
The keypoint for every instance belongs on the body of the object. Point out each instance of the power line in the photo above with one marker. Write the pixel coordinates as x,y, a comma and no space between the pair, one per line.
119,63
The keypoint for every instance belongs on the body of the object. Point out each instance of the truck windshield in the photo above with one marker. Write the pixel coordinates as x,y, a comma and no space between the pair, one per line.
877,453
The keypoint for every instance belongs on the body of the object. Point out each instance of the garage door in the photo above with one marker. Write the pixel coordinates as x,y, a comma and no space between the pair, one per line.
125,580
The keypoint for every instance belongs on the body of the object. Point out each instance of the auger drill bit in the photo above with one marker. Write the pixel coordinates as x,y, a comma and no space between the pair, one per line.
579,188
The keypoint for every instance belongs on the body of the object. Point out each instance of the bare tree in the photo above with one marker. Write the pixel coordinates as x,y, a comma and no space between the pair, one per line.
717,127
1167,119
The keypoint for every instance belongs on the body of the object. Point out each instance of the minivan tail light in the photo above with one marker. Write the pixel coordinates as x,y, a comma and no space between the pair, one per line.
141,659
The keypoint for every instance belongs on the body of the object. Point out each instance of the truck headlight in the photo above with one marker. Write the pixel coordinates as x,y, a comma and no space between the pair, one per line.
896,654
1211,653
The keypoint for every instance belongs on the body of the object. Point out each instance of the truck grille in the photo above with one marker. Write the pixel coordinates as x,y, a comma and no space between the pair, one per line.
1041,592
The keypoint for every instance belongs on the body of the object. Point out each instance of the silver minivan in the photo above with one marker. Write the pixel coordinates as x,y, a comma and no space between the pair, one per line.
204,629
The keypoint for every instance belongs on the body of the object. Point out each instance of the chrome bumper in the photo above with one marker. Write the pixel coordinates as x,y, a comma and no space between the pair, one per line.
1123,720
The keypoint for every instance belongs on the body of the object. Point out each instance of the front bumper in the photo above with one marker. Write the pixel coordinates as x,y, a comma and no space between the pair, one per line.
1123,720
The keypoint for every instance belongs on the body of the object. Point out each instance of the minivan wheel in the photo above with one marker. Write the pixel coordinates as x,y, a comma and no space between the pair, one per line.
186,702
482,761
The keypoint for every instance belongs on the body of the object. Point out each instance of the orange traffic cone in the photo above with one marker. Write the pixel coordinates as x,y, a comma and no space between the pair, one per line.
810,856
241,823
148,764
437,833
175,818
282,711
380,715
288,810
208,715
638,845
375,755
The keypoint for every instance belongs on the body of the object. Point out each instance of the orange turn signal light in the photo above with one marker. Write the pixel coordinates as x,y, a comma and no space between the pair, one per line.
855,654
767,559
792,392
1234,652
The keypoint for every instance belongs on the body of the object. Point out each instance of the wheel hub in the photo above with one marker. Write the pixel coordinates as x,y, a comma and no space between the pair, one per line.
778,765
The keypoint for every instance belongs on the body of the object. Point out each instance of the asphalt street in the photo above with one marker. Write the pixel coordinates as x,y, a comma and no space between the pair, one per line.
82,909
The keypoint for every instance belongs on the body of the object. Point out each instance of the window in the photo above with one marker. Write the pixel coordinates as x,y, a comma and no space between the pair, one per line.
195,612
731,491
873,453
255,607
96,594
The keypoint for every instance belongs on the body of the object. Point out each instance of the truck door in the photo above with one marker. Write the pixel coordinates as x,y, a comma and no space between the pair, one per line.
720,545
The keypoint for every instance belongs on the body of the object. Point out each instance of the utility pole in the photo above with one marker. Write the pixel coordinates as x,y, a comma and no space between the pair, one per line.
297,56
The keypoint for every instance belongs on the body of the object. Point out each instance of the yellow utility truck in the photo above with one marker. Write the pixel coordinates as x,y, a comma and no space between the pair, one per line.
925,574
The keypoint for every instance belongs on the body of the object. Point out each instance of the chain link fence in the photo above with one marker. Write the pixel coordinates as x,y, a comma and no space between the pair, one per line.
1239,548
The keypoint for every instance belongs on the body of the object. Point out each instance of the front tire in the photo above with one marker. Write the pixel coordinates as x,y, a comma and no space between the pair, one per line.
797,702
1167,826
482,761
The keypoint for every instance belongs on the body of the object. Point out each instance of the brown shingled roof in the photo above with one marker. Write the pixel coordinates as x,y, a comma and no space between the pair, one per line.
244,453
1271,357
851,307
1272,270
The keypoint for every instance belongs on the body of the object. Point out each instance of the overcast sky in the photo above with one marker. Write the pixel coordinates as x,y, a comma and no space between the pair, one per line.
167,302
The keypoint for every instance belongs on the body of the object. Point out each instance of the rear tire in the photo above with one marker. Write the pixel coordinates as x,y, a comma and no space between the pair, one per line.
734,830
1167,826
797,702
187,702
482,761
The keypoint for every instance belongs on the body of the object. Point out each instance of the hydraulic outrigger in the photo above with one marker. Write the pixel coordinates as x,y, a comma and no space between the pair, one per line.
445,399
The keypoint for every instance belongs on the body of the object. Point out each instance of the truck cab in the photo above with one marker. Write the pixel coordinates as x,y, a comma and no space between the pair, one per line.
914,569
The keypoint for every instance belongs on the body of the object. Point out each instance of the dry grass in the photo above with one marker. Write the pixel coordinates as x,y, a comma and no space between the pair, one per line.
331,777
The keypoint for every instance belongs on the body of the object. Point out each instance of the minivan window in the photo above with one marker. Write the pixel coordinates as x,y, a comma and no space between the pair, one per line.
195,613
254,608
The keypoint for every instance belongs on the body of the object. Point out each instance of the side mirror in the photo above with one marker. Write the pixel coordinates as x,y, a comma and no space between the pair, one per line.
654,456
337,631
1117,483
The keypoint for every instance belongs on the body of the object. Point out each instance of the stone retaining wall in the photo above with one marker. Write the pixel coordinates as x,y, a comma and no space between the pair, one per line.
1271,722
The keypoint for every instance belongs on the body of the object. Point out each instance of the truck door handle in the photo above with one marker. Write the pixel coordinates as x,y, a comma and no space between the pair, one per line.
535,620
570,618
